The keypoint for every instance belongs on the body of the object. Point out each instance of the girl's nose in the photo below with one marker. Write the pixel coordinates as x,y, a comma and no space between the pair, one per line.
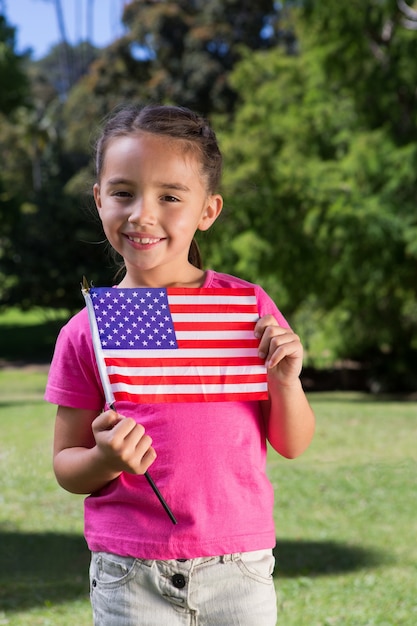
143,212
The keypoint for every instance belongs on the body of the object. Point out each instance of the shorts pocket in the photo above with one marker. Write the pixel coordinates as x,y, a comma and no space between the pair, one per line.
257,565
111,570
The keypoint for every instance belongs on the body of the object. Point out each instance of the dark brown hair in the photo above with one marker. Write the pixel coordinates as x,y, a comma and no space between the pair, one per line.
171,121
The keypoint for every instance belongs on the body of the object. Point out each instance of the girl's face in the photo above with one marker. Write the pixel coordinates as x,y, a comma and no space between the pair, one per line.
151,199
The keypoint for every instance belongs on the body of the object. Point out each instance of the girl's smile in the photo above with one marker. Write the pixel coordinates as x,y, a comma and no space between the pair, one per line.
152,198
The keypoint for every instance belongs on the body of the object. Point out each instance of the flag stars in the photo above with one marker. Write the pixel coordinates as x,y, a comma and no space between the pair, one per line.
133,319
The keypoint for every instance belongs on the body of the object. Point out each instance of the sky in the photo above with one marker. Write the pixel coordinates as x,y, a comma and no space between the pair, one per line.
37,27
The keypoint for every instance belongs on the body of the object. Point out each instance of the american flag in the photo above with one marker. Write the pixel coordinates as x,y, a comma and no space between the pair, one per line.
177,345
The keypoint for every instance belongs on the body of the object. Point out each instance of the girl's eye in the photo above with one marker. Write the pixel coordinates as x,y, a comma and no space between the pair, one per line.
122,194
169,199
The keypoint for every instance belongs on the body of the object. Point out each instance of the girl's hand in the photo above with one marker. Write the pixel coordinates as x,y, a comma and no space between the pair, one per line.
122,443
281,348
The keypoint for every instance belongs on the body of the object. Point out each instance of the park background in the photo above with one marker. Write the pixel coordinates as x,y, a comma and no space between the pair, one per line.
314,104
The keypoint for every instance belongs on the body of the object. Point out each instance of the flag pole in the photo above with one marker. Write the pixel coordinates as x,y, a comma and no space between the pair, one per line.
108,393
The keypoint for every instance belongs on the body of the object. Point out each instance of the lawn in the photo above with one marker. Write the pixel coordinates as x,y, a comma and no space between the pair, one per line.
345,516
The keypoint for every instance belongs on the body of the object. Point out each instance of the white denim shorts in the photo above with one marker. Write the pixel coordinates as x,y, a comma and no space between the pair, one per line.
229,590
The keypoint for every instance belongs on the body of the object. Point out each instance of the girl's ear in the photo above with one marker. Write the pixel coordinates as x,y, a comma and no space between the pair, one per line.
211,212
97,196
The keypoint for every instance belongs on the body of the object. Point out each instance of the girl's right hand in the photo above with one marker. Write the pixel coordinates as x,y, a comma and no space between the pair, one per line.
122,443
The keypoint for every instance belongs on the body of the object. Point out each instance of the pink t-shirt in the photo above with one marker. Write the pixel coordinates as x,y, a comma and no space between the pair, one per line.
210,468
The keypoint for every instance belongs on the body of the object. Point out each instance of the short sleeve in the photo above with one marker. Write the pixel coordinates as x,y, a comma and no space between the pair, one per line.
267,306
73,378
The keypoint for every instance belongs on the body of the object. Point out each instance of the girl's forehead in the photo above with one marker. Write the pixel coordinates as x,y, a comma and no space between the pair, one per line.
154,141
144,145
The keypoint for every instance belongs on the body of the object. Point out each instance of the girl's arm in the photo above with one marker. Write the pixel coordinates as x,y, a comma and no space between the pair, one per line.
91,450
288,416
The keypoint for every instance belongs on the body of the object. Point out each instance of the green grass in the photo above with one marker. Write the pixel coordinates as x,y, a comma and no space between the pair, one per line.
345,516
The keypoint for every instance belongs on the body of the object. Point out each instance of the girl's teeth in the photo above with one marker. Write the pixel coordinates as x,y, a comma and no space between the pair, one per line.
142,240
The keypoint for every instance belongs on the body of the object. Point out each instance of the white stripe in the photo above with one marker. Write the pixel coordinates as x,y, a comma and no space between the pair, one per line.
215,299
221,335
187,371
194,353
215,317
199,388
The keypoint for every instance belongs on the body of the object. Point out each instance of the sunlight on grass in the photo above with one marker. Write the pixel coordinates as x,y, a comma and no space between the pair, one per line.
345,516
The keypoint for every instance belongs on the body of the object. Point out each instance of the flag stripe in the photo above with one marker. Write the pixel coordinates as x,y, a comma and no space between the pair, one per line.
118,363
187,370
179,345
213,294
192,381
216,343
215,317
185,389
220,325
212,308
224,396
241,354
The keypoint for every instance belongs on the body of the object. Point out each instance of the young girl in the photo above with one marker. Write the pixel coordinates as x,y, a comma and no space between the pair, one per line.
158,171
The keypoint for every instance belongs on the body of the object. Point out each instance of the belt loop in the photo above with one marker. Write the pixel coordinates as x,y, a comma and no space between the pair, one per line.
230,558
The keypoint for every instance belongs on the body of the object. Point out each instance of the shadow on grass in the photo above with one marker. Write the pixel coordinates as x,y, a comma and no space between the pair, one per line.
32,343
322,558
27,401
41,568
38,569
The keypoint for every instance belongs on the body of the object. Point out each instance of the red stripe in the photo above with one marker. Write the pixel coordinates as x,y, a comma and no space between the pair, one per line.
189,380
210,291
214,326
184,361
221,397
212,308
217,343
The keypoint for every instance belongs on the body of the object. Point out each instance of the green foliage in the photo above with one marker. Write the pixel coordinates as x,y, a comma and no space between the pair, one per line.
328,183
13,79
315,108
193,45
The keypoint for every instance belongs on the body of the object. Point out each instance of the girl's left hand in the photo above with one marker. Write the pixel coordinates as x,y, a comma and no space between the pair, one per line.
281,348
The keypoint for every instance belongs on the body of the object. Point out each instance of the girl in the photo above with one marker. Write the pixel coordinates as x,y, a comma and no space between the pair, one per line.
158,171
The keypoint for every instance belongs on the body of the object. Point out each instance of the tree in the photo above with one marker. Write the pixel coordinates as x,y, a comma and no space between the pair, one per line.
116,75
12,70
321,156
46,240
